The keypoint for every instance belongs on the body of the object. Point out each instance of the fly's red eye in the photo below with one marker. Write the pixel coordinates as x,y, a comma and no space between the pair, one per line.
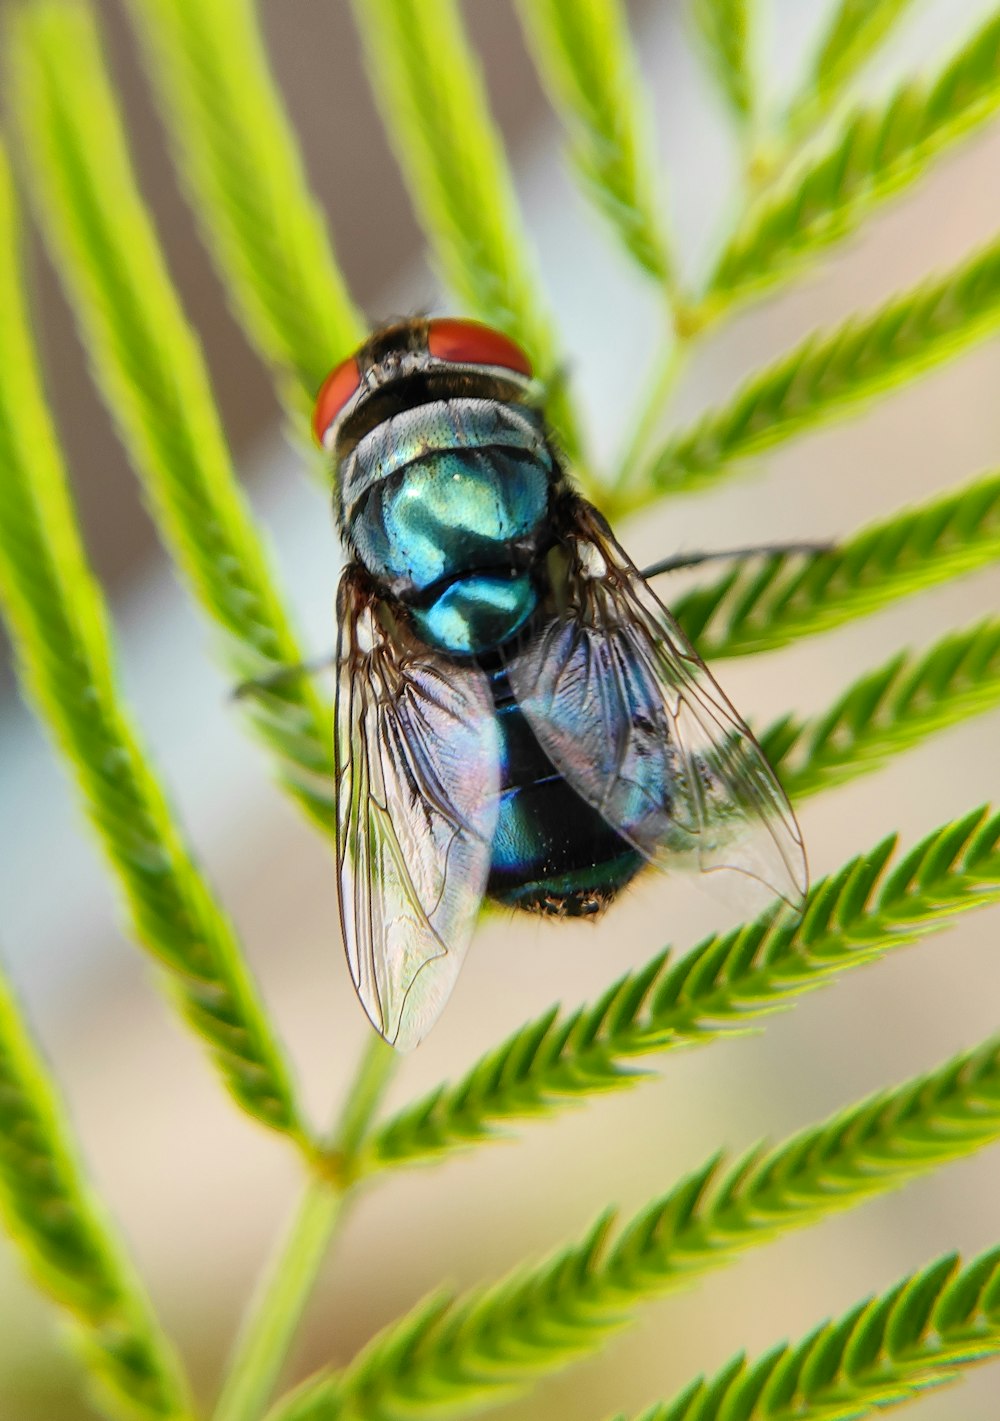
470,343
335,391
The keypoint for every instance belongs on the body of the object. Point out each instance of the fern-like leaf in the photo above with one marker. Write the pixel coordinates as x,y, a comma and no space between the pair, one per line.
759,605
888,710
453,161
60,628
724,26
874,153
151,372
70,1249
480,1348
721,986
831,371
855,31
924,1331
585,56
243,170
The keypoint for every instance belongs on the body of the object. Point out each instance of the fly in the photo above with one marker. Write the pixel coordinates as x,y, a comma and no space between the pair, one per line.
518,716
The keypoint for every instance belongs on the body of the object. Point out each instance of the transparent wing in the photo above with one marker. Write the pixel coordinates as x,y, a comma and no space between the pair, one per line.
416,800
632,718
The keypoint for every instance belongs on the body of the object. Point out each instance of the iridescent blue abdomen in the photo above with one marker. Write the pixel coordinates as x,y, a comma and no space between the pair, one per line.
552,851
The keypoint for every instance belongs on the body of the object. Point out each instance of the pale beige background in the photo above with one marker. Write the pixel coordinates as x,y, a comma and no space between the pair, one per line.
200,1191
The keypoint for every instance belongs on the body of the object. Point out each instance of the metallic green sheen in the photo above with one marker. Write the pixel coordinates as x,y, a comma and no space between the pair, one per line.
450,512
549,845
476,613
411,435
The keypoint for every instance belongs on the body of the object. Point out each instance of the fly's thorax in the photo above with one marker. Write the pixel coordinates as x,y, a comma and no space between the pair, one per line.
447,507
410,435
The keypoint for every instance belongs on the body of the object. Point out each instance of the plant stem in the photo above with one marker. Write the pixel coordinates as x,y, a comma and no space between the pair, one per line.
288,1281
767,161
375,1070
664,378
278,1304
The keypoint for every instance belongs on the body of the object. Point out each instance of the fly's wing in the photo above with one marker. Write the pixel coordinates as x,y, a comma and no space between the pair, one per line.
416,800
632,718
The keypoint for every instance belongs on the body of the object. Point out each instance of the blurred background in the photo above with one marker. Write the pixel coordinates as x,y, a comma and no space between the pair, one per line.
200,1191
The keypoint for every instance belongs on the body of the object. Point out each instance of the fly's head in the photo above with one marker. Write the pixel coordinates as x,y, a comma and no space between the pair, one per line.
413,363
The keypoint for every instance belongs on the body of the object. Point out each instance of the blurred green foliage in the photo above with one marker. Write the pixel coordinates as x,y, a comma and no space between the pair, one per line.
812,176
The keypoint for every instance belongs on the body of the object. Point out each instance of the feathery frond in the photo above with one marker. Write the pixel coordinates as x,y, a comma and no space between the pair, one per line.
724,26
759,605
485,1346
888,710
60,1231
924,1331
585,55
238,159
720,986
833,370
60,628
150,370
454,164
874,153
855,31
243,170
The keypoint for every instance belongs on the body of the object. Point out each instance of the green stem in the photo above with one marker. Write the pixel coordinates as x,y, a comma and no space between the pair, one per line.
665,375
768,158
287,1283
279,1303
376,1070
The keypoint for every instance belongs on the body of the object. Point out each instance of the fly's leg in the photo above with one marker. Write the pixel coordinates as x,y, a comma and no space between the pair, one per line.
683,560
281,674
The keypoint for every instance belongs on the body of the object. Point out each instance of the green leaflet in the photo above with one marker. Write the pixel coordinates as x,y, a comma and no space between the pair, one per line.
888,710
457,173
924,1331
67,1244
585,55
60,628
488,1345
239,158
830,371
152,375
856,29
873,154
767,603
724,26
718,987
